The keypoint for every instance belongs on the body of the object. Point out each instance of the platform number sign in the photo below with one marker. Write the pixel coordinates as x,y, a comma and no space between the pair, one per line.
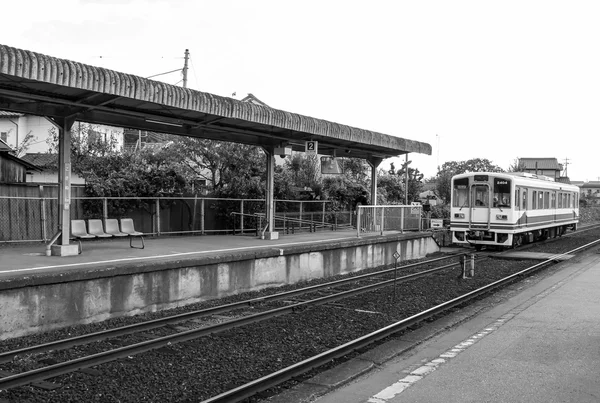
311,147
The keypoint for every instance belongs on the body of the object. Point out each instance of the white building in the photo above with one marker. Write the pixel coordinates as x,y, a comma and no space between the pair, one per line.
30,136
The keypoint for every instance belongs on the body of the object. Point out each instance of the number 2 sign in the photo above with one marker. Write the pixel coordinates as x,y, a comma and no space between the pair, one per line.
311,147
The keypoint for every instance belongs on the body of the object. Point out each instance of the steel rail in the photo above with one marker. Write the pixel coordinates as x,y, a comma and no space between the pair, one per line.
111,355
153,324
278,377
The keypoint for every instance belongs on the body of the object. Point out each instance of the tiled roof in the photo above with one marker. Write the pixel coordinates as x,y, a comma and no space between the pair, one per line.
591,185
4,147
542,163
41,159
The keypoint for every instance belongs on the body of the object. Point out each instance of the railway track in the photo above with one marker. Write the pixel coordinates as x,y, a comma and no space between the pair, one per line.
327,295
313,297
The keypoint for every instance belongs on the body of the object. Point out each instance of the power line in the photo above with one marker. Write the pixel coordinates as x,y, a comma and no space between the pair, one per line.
162,74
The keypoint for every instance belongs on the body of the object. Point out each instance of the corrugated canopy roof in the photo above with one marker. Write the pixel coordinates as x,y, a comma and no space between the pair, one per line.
42,85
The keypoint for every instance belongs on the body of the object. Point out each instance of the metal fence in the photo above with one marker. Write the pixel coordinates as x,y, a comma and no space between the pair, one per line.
371,219
36,218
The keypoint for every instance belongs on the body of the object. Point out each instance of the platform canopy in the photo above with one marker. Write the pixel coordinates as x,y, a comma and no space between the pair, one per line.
65,91
42,85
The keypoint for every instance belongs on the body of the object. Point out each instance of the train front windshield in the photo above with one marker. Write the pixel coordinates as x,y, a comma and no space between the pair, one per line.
460,192
480,193
502,192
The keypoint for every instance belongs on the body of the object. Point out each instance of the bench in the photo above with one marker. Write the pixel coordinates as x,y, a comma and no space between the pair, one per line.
95,229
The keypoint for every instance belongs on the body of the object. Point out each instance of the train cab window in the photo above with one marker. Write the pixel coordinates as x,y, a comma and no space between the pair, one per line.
502,195
460,192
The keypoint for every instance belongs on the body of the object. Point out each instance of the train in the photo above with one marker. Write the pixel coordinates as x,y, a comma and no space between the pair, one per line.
499,210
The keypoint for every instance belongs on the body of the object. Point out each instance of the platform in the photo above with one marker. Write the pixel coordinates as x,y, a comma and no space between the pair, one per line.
536,341
111,279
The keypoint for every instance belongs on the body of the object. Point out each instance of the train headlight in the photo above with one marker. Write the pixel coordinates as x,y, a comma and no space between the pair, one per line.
459,215
501,217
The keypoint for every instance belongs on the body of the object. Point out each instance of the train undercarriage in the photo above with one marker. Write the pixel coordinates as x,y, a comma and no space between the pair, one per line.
479,238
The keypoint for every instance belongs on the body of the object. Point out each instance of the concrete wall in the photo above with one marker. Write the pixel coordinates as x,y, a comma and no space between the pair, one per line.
80,297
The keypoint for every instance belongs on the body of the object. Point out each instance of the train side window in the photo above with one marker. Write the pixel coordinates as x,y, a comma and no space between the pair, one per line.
533,199
560,200
570,200
553,200
546,200
540,200
517,198
524,199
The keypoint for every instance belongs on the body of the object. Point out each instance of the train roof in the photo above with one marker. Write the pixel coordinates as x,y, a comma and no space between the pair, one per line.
524,178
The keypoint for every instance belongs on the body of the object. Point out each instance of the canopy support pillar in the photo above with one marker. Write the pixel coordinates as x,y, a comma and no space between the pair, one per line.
374,164
63,248
268,232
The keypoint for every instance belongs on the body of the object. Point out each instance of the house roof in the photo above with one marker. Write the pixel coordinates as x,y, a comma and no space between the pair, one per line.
8,155
253,99
591,185
542,163
41,160
4,147
34,83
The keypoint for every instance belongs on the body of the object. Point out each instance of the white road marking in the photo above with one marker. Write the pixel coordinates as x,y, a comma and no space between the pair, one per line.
160,256
402,384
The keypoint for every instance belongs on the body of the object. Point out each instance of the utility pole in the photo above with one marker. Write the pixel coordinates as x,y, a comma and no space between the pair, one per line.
406,181
566,165
185,68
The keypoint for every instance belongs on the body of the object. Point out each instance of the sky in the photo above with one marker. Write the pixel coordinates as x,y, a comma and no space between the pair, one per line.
497,80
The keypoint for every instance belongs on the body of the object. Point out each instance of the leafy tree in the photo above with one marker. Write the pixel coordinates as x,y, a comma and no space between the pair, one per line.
391,185
228,168
516,166
451,168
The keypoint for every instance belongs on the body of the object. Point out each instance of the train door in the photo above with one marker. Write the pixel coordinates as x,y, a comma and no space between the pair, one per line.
480,205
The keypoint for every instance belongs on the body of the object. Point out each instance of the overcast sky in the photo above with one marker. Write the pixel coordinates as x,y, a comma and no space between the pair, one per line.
475,79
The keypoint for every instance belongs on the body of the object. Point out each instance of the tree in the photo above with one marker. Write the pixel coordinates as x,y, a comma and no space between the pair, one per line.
516,166
228,168
451,168
392,185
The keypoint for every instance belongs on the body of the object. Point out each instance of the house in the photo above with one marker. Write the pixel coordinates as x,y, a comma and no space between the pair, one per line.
27,136
542,166
18,129
12,168
46,172
590,191
253,100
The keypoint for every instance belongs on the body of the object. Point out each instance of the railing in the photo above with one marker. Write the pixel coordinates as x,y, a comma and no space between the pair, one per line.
370,219
287,224
24,219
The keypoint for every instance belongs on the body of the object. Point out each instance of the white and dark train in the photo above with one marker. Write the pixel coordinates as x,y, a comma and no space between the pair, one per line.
508,209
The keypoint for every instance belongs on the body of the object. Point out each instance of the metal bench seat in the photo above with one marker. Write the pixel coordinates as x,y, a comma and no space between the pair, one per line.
112,227
128,228
96,228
